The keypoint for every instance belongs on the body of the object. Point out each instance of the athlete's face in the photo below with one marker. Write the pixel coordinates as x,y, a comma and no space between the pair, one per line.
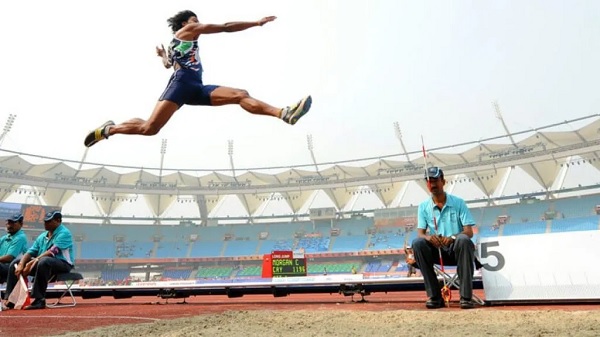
192,19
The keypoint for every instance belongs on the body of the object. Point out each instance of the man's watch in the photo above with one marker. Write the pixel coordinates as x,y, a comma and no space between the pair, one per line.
453,237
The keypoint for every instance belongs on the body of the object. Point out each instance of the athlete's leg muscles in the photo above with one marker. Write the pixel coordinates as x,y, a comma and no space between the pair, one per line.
225,95
137,126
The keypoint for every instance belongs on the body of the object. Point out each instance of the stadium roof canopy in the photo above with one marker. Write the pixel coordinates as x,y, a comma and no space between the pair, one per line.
542,153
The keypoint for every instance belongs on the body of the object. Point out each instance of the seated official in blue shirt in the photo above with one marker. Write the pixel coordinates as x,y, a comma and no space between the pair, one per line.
52,253
12,245
445,227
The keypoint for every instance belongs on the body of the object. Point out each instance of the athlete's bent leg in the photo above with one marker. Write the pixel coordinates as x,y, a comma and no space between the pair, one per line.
290,114
136,126
225,95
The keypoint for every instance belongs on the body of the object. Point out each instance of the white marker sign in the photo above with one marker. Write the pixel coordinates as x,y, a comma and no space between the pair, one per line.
554,266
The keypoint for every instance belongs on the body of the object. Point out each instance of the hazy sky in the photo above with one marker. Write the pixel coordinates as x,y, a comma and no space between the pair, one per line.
432,66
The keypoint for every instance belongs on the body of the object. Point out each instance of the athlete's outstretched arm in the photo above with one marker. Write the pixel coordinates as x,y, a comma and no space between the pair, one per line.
230,27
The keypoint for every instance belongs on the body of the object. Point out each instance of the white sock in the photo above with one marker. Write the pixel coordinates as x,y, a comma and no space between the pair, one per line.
284,112
105,132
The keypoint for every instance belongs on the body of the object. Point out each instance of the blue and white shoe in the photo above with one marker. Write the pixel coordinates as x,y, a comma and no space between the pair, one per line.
292,114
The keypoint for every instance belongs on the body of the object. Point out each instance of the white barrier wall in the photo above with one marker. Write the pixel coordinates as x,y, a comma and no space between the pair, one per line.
554,266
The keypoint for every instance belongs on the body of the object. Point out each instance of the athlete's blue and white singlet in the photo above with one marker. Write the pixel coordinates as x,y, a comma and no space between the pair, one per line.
185,85
186,54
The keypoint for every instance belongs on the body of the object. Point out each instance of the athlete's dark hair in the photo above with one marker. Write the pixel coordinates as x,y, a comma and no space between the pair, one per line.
176,22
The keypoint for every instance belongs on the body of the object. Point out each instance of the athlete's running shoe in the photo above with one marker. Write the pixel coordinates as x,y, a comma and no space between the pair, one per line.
292,114
98,134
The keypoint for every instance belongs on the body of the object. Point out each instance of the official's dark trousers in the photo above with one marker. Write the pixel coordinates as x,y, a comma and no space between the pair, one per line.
3,271
42,272
461,253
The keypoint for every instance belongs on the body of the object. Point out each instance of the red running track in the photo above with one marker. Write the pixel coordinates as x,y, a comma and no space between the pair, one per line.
93,313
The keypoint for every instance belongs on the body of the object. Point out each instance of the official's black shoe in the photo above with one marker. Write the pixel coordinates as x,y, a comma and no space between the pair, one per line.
38,303
467,303
434,303
7,306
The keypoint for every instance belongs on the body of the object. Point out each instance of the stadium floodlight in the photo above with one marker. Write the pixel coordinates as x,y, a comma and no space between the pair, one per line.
230,152
230,147
397,130
9,122
163,150
163,147
311,147
7,126
499,116
399,136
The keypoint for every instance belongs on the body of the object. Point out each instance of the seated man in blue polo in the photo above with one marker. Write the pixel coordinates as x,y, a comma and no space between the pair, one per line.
450,226
52,253
12,245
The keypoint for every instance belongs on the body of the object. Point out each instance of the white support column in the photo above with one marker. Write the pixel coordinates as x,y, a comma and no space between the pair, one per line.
401,194
500,190
352,202
562,175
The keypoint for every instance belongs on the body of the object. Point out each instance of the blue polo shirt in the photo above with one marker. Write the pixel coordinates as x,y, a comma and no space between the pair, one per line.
61,238
13,244
450,219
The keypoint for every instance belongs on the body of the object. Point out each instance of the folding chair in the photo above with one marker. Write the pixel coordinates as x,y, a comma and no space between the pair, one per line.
69,279
452,279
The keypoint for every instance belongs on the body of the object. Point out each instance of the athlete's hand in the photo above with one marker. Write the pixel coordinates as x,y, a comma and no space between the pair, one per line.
266,19
160,51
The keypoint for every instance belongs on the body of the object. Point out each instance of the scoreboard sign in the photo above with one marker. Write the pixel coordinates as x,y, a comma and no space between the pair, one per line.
288,263
33,215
